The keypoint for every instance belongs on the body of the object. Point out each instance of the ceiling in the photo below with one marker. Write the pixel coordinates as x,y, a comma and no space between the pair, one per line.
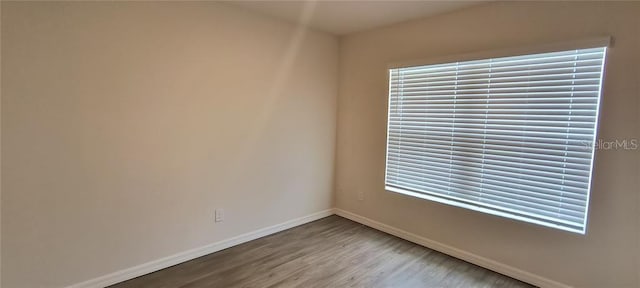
344,17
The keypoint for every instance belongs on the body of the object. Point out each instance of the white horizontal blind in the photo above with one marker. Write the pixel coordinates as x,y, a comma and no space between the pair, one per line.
509,136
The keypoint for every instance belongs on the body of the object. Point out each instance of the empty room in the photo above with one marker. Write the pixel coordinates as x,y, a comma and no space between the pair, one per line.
318,143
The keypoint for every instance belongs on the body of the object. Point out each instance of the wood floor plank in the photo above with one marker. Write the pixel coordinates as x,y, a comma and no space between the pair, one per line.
330,252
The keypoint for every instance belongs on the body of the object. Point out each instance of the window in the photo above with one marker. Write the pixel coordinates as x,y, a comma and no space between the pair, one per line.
509,136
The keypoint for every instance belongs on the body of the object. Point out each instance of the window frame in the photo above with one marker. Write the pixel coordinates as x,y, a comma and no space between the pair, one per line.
535,49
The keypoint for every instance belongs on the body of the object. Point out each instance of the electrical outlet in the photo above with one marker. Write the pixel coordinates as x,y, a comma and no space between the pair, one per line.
360,196
219,215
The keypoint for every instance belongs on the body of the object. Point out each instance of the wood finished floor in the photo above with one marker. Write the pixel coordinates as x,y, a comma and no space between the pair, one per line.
330,252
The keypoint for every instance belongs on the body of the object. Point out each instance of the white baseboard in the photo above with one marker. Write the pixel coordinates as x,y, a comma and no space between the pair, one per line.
168,261
455,252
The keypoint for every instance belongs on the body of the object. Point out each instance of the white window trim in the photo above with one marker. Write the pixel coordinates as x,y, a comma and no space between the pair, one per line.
514,51
595,42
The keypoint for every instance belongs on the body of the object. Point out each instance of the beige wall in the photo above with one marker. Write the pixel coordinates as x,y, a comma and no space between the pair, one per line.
125,124
1,148
608,255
